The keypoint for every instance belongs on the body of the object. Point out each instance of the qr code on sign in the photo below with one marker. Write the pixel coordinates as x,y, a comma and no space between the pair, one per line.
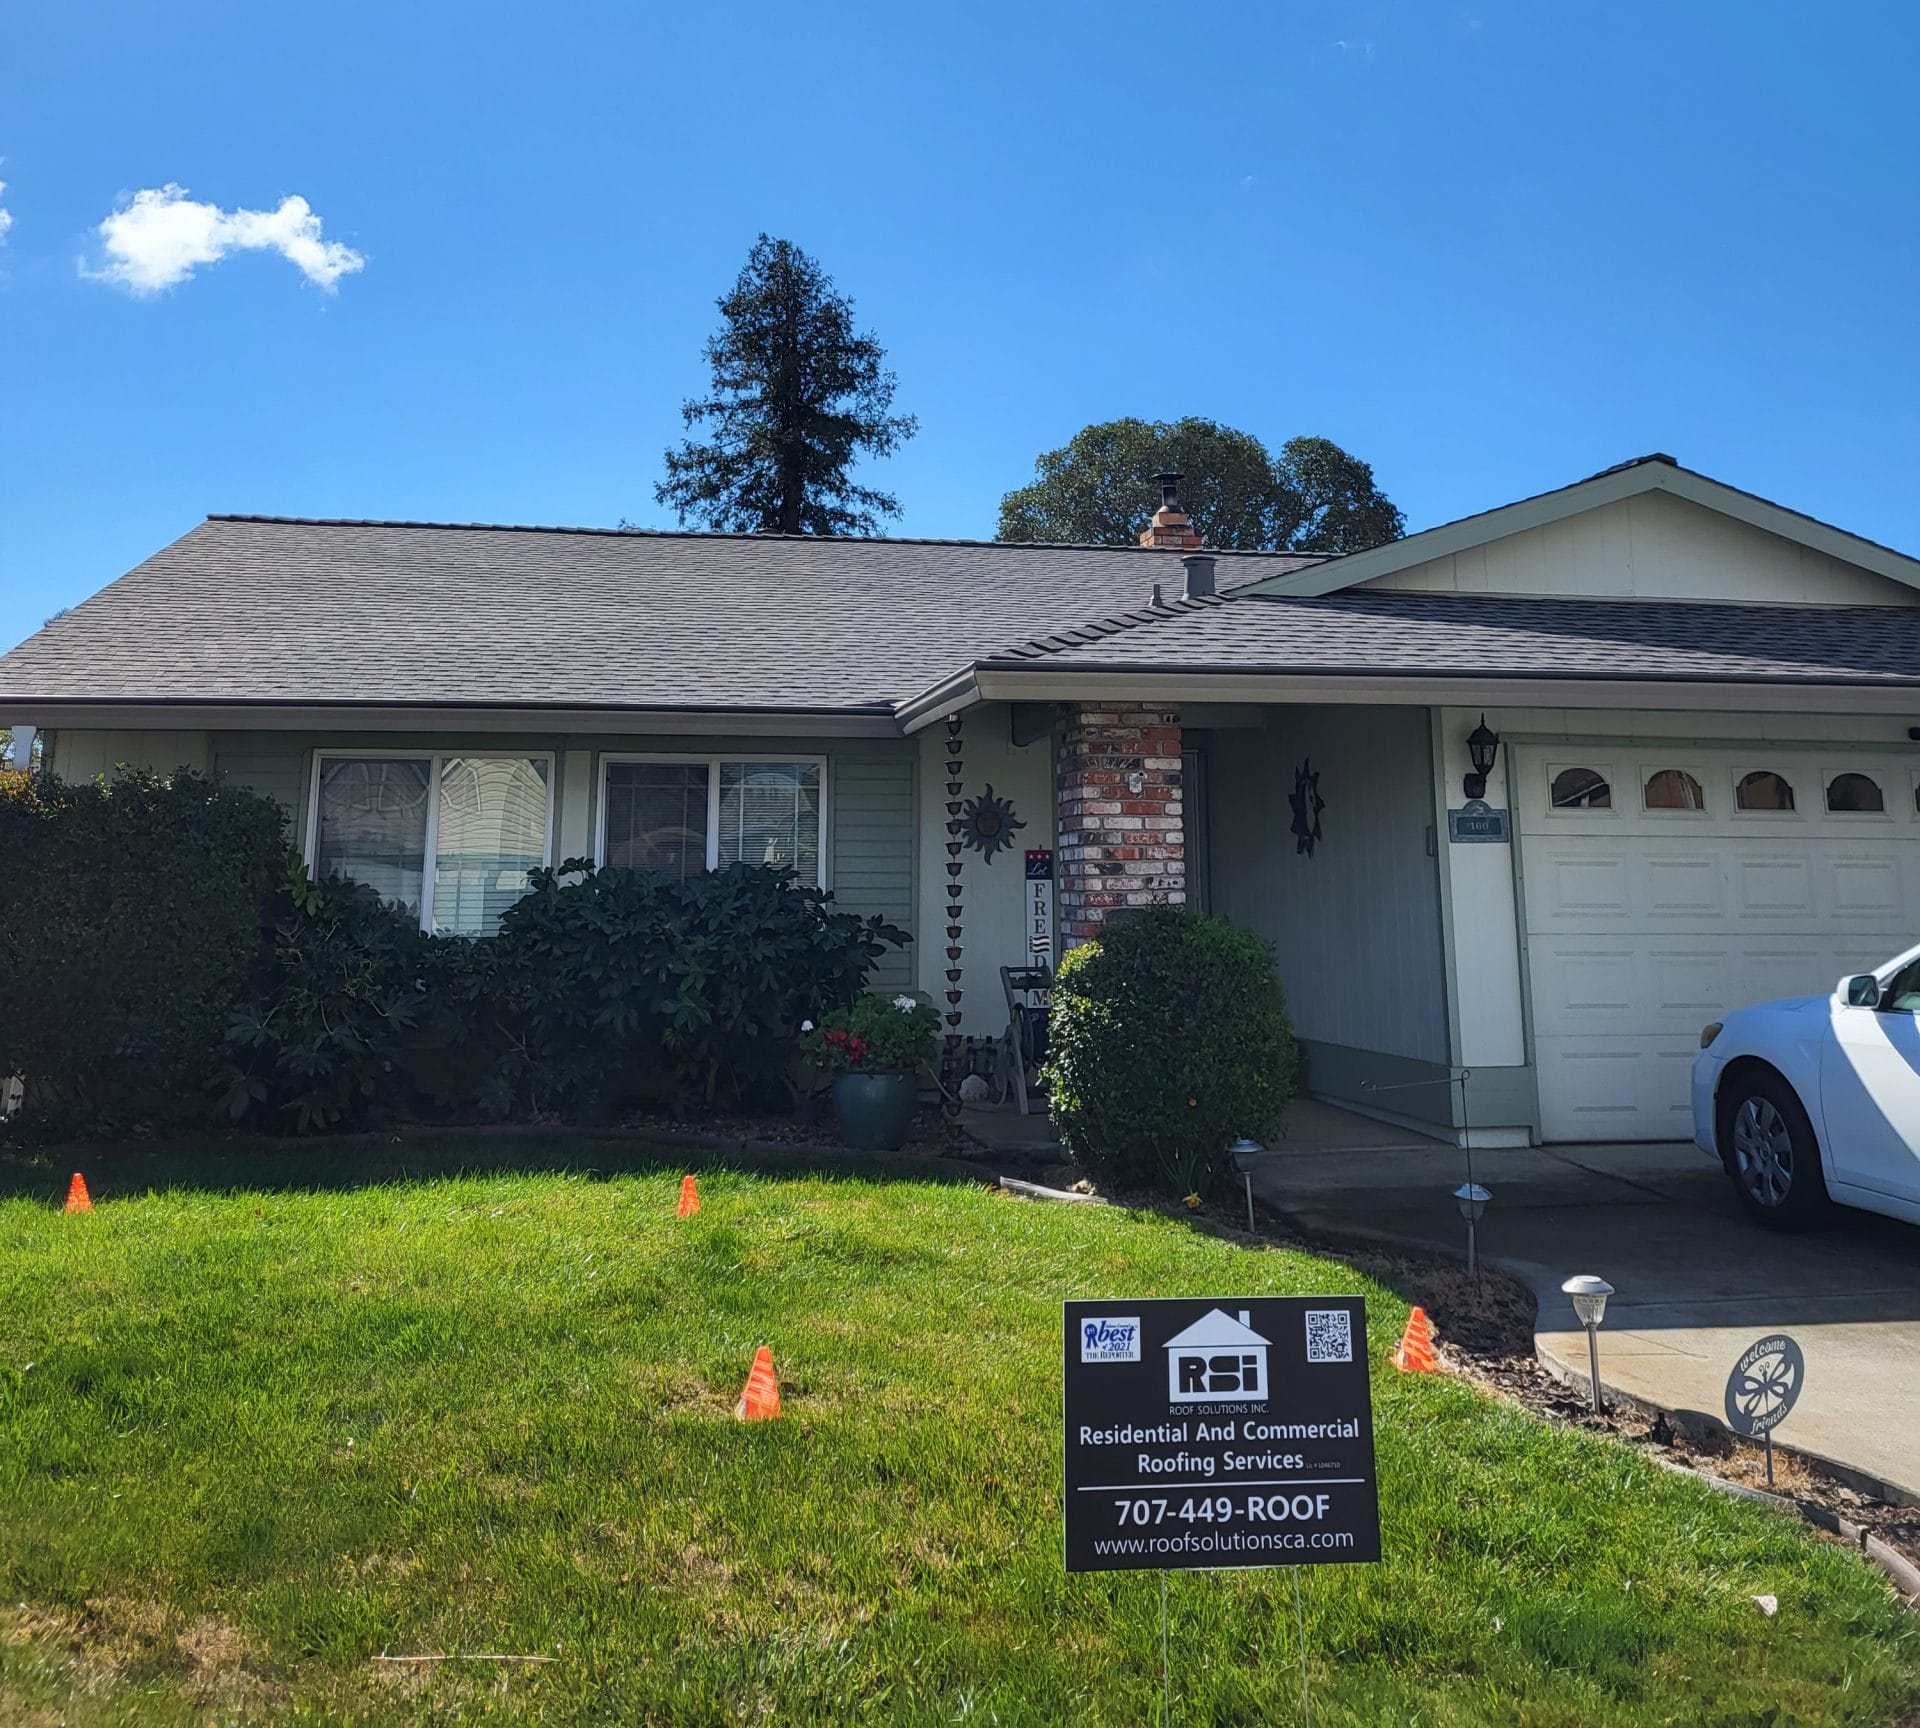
1329,1335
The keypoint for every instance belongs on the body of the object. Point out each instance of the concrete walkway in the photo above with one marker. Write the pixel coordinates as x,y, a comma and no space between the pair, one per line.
1696,1281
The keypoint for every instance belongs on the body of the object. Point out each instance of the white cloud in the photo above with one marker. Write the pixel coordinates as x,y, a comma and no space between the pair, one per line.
6,216
160,236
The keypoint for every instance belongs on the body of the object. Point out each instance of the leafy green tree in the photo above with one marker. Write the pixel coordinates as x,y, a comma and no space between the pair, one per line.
1100,489
797,396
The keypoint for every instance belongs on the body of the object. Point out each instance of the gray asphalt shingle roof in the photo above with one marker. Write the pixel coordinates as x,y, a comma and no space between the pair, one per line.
1373,631
248,609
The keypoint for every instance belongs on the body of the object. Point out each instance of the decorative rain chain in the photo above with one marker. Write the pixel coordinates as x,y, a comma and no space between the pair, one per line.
956,828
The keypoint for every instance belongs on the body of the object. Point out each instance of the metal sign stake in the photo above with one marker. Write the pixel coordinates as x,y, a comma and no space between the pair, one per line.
1300,1615
1166,1673
1769,1457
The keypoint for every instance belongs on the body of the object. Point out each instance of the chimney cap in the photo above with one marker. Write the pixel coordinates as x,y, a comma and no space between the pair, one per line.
1169,490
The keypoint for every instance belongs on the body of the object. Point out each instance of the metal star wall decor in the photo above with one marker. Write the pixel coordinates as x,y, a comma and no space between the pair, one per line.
988,823
1307,804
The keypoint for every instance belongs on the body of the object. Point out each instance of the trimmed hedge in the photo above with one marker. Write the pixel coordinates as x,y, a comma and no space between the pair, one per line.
1168,1040
130,921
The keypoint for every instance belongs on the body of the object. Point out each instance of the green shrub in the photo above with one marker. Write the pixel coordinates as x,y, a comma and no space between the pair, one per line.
320,1045
131,915
692,990
1168,1039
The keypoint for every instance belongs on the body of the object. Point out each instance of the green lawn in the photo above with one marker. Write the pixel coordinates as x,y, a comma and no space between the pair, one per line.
254,1435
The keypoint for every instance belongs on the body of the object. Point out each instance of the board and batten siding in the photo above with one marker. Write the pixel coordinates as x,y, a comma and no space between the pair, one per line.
1356,925
870,792
1653,546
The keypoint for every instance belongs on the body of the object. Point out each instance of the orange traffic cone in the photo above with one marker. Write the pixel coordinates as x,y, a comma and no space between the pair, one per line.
78,1199
1415,1352
760,1402
689,1198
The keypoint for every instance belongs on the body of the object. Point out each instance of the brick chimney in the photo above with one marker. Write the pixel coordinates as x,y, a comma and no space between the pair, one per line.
1170,526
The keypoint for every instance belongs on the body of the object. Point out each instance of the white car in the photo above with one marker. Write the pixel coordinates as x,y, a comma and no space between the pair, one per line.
1815,1101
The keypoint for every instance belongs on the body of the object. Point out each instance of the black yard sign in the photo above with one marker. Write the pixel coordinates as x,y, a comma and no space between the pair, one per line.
1215,1434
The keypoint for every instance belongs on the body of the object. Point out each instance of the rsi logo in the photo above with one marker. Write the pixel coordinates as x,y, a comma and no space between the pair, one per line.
1194,1376
1217,1357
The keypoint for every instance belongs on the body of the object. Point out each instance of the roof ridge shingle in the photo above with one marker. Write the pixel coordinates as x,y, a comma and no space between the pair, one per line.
625,533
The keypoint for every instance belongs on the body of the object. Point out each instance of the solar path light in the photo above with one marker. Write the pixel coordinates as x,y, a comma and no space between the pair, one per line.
1590,1305
1473,1205
1243,1149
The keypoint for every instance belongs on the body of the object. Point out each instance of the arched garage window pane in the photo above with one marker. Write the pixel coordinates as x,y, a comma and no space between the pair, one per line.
1763,790
1674,789
1854,794
1581,789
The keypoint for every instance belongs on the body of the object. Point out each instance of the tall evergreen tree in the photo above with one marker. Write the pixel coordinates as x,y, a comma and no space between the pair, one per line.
797,396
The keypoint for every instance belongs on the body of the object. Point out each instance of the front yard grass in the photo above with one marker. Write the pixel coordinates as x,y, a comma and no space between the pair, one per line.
253,1436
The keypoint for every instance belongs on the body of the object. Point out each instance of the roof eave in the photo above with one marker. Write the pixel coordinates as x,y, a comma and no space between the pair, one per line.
1426,687
479,718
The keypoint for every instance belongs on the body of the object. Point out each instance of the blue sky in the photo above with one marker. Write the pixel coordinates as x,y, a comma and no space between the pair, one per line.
1489,246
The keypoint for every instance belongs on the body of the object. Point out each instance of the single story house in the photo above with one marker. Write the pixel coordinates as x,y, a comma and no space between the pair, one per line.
1694,712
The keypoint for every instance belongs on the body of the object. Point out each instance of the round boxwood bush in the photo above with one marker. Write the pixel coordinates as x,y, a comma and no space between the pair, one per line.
1168,1040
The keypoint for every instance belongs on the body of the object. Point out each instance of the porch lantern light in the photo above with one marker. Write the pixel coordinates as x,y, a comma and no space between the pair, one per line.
1241,1150
1483,745
1473,1200
1590,1306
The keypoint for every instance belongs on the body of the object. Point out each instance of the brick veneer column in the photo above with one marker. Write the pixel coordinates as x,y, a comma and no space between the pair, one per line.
1118,846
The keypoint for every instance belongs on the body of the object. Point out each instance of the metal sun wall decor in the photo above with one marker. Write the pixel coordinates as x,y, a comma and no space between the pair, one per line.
988,823
1306,804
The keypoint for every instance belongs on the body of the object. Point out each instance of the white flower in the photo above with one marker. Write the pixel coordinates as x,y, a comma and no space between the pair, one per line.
806,1025
906,1004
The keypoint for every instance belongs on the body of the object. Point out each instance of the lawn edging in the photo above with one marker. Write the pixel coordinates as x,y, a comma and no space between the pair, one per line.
1904,1575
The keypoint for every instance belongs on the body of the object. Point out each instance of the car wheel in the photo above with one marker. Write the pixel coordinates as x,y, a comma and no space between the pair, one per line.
1767,1145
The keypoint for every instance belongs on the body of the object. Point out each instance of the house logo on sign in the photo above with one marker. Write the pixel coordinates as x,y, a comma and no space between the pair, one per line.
1215,1359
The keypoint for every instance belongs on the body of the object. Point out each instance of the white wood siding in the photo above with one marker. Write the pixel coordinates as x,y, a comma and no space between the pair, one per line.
1653,547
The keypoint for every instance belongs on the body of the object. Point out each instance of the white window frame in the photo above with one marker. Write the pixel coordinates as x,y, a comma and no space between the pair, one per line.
1742,767
1873,771
1555,767
434,759
712,762
1660,765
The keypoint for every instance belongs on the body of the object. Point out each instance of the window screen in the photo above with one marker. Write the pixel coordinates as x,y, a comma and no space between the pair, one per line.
770,814
657,817
372,825
492,831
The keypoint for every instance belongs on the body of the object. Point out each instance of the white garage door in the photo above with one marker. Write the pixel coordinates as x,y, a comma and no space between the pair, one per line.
1664,886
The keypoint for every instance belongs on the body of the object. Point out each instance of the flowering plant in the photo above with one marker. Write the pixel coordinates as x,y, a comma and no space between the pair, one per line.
877,1035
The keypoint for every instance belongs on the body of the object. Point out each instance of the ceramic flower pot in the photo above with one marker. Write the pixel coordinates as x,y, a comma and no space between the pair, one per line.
875,1110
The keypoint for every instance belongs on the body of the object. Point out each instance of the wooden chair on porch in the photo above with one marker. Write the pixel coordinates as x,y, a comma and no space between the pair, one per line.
1023,1046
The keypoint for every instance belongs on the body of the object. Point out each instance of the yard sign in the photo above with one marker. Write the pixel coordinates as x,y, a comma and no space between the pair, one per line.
1213,1434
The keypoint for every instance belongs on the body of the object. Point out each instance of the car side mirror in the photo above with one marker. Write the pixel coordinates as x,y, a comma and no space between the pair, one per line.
1862,990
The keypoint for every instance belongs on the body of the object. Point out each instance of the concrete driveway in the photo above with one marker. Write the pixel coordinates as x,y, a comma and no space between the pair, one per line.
1696,1281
